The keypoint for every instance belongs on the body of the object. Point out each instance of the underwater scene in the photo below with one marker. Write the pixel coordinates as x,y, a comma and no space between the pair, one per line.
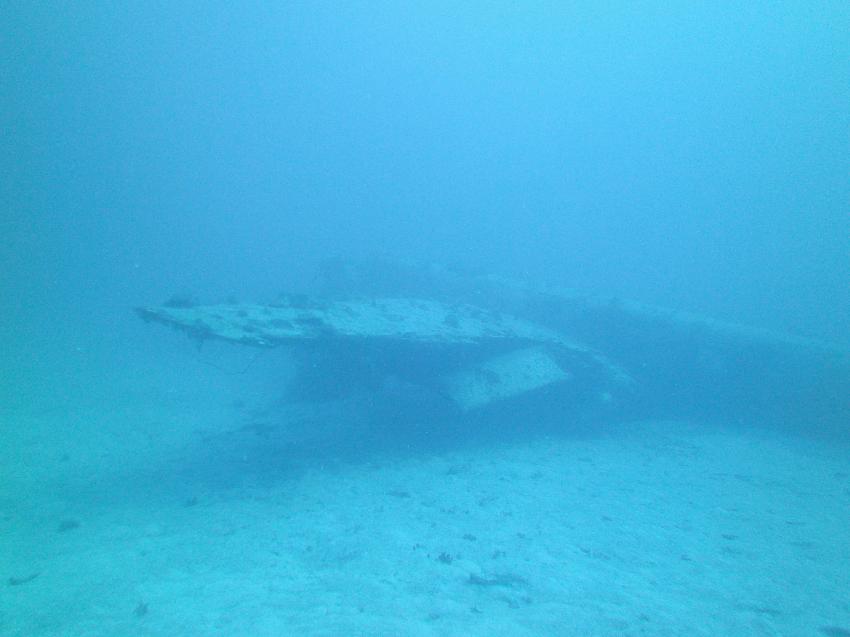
425,319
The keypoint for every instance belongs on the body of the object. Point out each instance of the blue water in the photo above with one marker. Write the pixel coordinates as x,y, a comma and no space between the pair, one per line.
684,157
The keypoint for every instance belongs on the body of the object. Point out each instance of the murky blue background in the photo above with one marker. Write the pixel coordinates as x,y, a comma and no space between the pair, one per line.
692,156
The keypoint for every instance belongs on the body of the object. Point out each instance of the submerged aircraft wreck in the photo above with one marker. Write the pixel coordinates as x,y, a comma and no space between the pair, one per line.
477,343
470,355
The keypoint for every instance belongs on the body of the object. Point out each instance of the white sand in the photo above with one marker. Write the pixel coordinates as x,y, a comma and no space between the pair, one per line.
640,529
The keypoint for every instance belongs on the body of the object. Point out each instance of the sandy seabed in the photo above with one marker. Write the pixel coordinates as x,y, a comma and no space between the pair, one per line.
161,516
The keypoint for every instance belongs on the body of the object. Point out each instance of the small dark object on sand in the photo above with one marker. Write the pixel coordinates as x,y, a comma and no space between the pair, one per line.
67,525
17,581
504,579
